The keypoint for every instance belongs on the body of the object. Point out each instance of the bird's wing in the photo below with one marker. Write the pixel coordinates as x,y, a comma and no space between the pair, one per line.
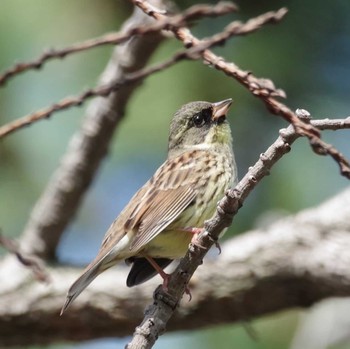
116,231
171,190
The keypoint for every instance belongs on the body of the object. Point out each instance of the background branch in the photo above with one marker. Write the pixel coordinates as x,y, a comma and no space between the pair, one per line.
194,12
233,29
310,264
61,198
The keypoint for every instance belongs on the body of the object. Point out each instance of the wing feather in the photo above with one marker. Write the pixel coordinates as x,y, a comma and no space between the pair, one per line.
172,189
161,214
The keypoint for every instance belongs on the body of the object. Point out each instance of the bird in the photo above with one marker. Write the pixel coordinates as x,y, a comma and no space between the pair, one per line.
167,213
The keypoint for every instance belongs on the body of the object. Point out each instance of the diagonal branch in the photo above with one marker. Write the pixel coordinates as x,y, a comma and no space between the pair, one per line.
104,90
165,303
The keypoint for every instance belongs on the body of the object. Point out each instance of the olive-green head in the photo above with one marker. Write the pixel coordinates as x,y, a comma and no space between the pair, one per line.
200,125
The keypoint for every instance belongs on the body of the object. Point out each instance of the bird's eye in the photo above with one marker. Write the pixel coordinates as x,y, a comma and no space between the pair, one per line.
201,118
198,120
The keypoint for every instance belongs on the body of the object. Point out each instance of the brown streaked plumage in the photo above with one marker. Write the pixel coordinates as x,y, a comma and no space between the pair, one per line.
154,227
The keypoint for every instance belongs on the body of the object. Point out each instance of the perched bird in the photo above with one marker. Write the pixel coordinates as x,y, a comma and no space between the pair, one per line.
165,215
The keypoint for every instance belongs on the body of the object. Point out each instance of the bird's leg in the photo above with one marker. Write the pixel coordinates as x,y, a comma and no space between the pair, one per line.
196,231
165,276
160,271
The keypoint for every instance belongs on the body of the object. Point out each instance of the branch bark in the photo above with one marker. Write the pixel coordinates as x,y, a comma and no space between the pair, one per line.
252,277
61,198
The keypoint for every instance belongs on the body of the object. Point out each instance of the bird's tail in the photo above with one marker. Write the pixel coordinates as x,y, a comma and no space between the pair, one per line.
91,272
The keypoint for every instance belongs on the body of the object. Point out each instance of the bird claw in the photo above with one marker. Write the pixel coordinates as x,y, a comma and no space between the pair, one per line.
195,231
188,292
216,243
194,242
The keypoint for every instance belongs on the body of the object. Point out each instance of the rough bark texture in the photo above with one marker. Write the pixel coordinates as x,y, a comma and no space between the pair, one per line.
294,262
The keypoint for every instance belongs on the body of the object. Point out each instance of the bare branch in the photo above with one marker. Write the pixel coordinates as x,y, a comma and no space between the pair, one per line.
72,101
235,28
332,124
194,12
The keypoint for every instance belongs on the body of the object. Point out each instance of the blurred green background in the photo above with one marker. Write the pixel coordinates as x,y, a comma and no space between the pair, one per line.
307,55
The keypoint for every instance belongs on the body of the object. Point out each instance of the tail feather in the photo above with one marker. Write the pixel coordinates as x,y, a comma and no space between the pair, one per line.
106,258
142,270
80,284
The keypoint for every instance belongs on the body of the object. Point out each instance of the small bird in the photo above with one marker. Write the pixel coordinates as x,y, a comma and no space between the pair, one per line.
167,213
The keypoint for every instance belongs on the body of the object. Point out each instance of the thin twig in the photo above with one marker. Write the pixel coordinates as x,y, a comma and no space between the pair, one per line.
233,29
194,12
261,88
332,124
68,102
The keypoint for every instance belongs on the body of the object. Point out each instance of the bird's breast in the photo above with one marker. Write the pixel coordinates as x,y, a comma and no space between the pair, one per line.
215,181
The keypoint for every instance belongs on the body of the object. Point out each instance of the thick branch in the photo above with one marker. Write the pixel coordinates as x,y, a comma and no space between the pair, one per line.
60,201
295,262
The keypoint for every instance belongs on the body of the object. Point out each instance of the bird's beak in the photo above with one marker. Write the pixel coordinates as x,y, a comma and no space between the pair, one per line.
221,108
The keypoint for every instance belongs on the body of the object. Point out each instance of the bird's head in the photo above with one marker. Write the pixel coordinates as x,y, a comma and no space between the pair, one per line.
200,125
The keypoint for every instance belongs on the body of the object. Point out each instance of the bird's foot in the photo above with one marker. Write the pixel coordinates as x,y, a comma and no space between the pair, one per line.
195,231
